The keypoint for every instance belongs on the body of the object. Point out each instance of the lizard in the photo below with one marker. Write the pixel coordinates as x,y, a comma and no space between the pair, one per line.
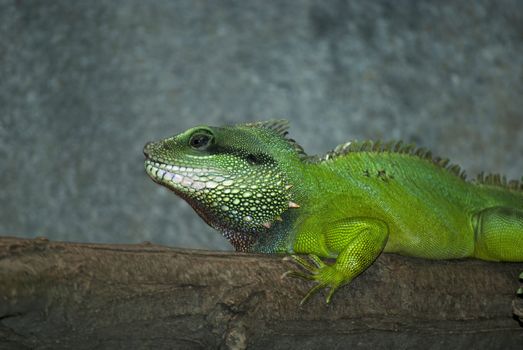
257,186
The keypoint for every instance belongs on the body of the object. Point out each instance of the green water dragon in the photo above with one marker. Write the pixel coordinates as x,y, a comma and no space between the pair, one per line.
265,194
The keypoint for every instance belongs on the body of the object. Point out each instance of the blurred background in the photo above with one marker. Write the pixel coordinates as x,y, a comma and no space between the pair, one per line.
84,84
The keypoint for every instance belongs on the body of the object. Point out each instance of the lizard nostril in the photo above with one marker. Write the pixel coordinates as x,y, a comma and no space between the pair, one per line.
147,149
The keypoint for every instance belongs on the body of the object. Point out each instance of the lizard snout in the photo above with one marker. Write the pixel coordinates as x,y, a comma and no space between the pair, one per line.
147,149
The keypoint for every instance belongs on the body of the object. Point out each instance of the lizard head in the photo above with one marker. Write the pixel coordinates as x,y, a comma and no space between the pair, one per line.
232,176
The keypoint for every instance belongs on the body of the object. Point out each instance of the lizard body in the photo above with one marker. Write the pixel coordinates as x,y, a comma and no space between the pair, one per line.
259,188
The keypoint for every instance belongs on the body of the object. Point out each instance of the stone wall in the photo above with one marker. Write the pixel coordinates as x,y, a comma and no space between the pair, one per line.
85,84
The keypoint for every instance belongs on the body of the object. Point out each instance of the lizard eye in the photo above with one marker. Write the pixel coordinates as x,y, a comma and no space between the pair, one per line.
201,140
252,159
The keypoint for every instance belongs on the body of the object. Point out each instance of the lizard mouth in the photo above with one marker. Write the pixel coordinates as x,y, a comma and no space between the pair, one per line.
182,177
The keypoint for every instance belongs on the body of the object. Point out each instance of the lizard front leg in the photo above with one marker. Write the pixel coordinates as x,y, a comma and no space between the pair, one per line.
357,242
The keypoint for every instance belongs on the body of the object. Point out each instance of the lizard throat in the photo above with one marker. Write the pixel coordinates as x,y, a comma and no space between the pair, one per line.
241,204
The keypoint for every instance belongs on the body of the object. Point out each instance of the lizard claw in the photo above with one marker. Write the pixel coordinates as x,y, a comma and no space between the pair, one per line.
305,264
315,269
311,292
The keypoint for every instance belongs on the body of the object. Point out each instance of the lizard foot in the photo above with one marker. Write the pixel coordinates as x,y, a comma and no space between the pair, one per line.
326,276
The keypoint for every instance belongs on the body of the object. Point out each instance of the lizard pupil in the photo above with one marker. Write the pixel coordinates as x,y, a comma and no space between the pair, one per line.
252,159
200,141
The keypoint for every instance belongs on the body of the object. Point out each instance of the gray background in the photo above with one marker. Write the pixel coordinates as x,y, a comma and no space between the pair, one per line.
84,84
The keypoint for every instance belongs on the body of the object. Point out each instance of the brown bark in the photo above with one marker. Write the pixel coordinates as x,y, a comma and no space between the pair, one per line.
84,296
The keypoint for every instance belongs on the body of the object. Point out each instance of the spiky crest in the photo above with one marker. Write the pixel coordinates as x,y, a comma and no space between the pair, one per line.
499,180
280,127
420,152
391,147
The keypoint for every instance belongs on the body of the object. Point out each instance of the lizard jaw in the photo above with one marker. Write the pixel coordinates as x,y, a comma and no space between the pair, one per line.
180,178
238,204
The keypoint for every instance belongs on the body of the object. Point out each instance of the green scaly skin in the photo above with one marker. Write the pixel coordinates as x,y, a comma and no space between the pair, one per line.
259,188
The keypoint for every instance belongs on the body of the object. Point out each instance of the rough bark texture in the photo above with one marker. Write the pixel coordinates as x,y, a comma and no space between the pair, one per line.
84,296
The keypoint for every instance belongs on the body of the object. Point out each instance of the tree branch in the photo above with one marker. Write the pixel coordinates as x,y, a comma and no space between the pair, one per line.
69,295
